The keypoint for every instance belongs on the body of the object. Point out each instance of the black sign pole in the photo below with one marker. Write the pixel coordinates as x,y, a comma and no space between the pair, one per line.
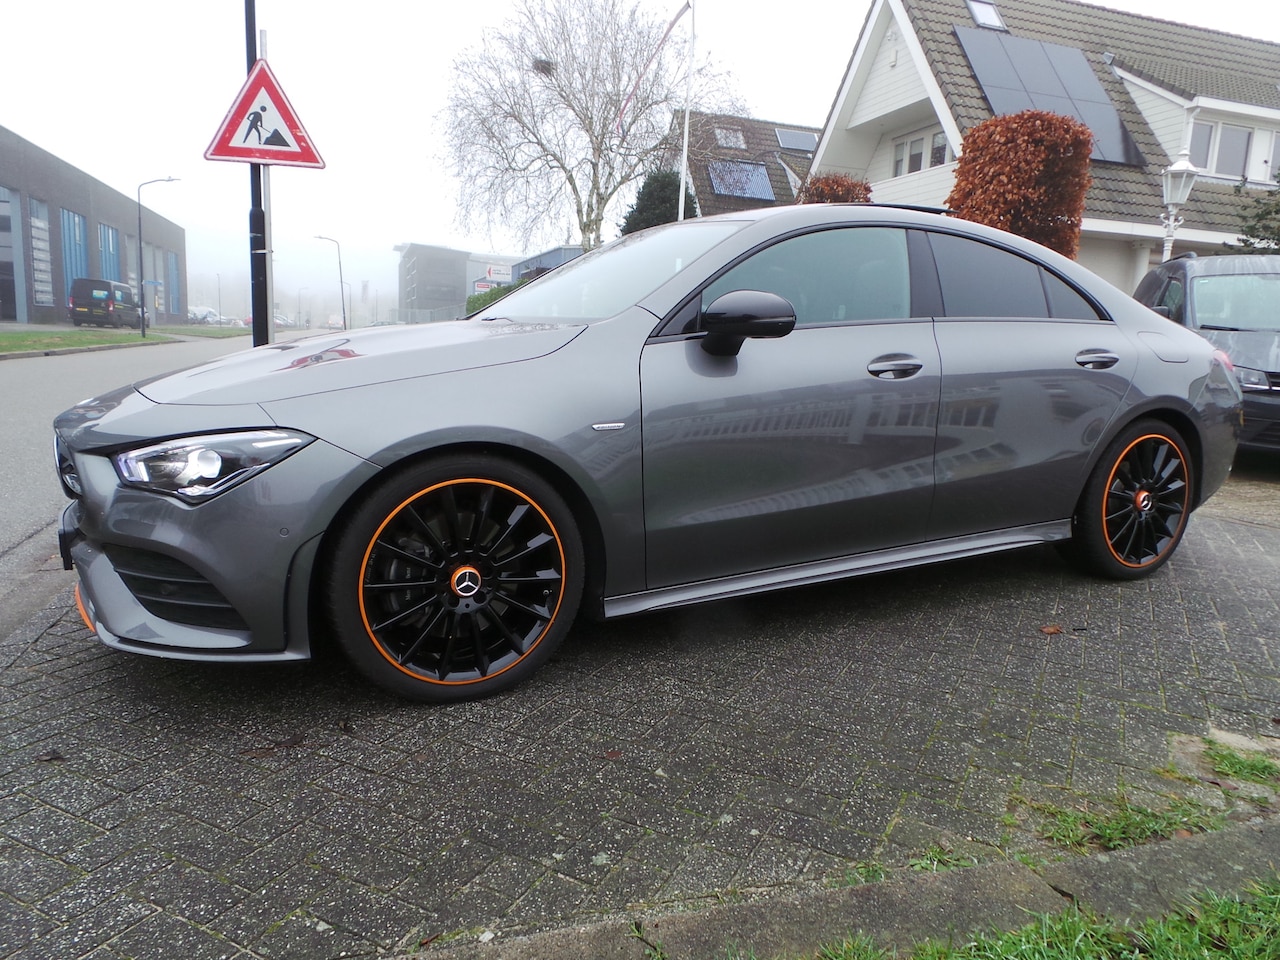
257,214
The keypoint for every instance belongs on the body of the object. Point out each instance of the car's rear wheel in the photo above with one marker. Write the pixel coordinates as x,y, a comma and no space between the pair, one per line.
1135,505
455,578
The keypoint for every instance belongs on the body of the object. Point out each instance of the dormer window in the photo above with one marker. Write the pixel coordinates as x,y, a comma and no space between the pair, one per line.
986,14
730,138
1227,150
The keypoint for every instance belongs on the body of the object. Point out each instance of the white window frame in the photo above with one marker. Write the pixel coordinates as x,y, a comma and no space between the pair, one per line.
900,165
1259,167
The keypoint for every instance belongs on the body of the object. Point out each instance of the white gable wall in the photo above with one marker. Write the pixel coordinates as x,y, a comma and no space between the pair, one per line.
1166,117
887,91
893,83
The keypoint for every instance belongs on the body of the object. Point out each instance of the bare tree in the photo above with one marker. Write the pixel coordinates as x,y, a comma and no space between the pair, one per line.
561,110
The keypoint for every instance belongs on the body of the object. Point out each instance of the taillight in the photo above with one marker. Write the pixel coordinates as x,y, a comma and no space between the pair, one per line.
111,306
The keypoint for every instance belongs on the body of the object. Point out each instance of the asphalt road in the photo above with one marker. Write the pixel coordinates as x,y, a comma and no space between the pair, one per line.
33,390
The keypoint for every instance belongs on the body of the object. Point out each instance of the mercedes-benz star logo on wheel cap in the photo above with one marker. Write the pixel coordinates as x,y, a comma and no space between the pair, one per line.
466,581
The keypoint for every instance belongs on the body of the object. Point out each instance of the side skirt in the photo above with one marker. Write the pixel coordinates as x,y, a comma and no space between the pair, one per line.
820,571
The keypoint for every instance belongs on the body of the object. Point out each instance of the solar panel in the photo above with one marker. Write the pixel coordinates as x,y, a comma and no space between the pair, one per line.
796,140
740,178
1018,74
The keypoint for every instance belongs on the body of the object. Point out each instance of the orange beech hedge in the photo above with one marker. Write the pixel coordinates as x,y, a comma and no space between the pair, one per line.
835,188
1026,173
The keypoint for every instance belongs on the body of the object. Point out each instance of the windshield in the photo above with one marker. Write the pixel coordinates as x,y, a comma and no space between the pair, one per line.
1241,301
609,279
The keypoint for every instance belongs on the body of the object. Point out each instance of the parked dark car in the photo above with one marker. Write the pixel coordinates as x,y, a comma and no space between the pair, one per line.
102,302
698,411
1233,302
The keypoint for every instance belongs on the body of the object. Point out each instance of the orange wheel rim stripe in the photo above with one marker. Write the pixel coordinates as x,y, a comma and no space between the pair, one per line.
364,563
1106,493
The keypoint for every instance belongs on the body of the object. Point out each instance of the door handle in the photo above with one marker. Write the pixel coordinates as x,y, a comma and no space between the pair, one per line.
1097,359
894,366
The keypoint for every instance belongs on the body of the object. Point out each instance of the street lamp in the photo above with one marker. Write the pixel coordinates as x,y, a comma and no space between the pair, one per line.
297,314
1175,184
341,292
142,285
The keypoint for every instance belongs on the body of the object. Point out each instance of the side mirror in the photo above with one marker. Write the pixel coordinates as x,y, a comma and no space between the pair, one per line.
739,314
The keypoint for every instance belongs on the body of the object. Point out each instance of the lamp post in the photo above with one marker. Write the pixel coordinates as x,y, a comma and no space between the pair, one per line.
142,286
341,292
1175,185
297,314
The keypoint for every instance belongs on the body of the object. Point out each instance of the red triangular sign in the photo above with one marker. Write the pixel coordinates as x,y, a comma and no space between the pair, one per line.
261,126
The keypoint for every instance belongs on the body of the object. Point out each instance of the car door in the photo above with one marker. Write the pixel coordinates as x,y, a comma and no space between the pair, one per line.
1032,376
814,445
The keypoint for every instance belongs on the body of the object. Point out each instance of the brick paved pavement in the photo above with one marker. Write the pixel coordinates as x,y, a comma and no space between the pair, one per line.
158,809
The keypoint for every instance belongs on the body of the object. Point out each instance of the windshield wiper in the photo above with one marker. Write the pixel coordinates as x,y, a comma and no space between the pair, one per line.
1211,326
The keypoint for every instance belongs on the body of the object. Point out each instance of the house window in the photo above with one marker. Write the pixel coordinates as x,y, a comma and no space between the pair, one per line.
986,14
731,138
1201,141
938,150
1233,151
910,156
1223,150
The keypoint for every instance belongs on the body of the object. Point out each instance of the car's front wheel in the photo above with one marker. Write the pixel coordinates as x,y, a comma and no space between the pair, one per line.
455,578
1135,505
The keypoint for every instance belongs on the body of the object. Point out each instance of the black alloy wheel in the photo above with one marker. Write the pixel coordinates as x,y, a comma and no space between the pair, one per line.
1135,505
456,579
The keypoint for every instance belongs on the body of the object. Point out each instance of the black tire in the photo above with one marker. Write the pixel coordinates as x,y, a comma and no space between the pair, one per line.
455,578
1135,505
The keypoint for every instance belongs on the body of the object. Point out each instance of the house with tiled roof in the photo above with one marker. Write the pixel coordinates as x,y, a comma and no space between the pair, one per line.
739,163
923,72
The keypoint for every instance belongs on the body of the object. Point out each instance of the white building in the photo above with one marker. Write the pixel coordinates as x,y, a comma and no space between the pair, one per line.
925,71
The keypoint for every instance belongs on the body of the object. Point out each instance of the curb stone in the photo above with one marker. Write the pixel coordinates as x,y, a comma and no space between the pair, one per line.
1127,886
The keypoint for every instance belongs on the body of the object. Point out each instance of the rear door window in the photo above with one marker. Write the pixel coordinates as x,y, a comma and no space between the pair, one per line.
981,280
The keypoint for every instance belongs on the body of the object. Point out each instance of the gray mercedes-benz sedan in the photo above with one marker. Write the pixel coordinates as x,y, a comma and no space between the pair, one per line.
698,411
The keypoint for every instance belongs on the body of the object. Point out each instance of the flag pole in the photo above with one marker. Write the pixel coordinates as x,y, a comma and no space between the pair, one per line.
688,86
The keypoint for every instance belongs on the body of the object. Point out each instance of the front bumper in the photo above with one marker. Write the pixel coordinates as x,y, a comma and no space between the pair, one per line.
1261,430
223,581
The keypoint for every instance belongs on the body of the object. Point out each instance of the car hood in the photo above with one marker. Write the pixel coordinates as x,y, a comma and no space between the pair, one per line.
1256,349
320,364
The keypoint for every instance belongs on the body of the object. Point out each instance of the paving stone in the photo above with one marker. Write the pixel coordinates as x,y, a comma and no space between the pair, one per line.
657,761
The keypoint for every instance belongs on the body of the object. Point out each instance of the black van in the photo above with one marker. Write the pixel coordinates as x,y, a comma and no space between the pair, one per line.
1233,301
104,302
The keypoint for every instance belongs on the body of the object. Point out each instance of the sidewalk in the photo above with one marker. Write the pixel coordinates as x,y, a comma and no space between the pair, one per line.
709,772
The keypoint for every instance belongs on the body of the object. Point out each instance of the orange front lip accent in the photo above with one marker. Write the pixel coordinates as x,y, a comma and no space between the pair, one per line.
84,614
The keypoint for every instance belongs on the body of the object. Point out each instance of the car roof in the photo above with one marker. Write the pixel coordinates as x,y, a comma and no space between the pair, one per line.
1222,265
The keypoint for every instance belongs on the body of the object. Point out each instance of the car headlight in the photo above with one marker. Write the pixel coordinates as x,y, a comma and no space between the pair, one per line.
196,469
1252,379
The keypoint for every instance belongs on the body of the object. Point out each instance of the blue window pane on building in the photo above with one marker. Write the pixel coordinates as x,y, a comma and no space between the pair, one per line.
75,249
171,281
740,178
108,252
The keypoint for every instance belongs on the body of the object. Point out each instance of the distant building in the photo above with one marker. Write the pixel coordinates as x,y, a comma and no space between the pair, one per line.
536,266
740,163
436,281
58,223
